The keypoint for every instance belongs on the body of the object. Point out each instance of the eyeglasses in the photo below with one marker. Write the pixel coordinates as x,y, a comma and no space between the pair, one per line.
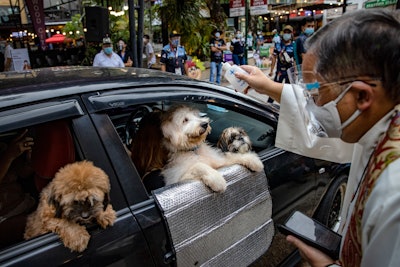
312,84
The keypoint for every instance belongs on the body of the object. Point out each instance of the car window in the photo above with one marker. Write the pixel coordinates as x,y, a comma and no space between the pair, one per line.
42,150
45,149
127,122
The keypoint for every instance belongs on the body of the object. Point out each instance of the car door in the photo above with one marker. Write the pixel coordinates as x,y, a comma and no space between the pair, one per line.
205,228
122,244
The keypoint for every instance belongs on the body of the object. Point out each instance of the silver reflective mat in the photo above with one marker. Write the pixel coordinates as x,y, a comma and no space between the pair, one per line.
211,229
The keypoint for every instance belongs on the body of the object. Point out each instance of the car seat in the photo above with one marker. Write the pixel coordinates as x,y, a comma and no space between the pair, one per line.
53,149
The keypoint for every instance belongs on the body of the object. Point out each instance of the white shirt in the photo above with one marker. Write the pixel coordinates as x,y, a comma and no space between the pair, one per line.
102,60
381,219
149,50
8,54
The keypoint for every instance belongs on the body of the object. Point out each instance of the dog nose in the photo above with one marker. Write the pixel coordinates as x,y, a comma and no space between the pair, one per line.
85,215
204,125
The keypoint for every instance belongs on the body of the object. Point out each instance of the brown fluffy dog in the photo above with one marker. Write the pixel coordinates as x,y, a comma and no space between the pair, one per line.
78,195
235,140
190,157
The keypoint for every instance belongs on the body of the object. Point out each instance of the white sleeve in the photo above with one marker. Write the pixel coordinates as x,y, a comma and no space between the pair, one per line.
293,135
96,62
381,220
121,62
151,50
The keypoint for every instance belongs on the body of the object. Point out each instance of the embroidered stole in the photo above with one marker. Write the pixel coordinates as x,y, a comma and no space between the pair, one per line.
387,151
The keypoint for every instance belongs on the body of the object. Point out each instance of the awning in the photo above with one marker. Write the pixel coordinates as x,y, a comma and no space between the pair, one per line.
58,38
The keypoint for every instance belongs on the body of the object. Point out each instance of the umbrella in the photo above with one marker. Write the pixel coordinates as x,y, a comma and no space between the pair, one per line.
58,38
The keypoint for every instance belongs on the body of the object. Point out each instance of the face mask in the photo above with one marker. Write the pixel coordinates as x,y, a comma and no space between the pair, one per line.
175,43
120,46
287,36
108,50
326,118
238,36
309,31
217,35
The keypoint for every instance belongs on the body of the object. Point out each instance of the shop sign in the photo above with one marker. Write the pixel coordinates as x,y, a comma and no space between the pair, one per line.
379,3
237,8
258,7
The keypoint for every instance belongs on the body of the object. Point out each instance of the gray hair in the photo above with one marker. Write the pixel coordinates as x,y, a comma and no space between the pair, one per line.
360,43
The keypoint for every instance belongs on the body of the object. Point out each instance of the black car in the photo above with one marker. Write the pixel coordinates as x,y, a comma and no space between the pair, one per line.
86,113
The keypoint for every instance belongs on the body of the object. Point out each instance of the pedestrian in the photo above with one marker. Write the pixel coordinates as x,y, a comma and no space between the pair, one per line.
307,29
173,55
351,94
259,40
149,52
218,47
8,60
107,57
238,44
283,55
125,54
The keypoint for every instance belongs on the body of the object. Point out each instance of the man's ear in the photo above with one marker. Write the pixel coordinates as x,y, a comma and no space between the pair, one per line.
365,94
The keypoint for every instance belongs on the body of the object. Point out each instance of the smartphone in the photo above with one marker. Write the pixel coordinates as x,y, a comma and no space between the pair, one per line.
312,233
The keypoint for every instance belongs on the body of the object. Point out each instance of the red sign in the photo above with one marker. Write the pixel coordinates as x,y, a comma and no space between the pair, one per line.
236,3
258,7
35,8
237,8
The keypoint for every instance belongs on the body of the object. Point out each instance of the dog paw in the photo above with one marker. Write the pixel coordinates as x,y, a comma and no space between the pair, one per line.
255,164
76,239
216,183
107,218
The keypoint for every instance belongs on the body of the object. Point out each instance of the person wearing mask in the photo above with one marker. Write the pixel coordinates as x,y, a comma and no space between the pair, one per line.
276,41
283,55
149,52
107,57
238,44
125,54
307,29
218,46
8,61
173,55
259,40
347,96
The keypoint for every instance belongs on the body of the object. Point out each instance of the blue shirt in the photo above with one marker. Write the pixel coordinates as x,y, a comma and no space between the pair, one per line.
173,58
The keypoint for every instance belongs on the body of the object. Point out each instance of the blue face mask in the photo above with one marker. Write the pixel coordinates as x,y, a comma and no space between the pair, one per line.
309,31
175,43
108,50
287,36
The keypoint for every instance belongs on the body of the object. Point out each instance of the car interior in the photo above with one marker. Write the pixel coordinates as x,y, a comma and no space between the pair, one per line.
261,134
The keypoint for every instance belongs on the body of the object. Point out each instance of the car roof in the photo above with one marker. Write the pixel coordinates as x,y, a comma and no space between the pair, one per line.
20,87
57,77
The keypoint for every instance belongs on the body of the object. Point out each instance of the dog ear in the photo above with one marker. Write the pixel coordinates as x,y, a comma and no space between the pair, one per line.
53,202
106,201
221,144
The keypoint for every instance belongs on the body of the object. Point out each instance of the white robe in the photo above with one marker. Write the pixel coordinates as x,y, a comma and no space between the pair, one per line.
381,220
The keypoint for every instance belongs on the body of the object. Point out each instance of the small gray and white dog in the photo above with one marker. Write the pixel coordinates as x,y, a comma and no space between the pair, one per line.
191,157
235,140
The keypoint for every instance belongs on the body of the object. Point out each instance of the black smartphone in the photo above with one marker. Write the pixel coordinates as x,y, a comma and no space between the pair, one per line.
312,233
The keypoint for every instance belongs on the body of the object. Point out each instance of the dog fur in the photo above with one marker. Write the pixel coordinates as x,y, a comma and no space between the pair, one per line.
235,140
77,196
190,157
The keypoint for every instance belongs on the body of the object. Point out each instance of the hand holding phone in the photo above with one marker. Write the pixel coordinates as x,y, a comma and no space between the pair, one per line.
313,233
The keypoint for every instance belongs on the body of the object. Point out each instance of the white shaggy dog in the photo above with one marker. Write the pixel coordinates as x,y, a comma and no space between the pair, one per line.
190,157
